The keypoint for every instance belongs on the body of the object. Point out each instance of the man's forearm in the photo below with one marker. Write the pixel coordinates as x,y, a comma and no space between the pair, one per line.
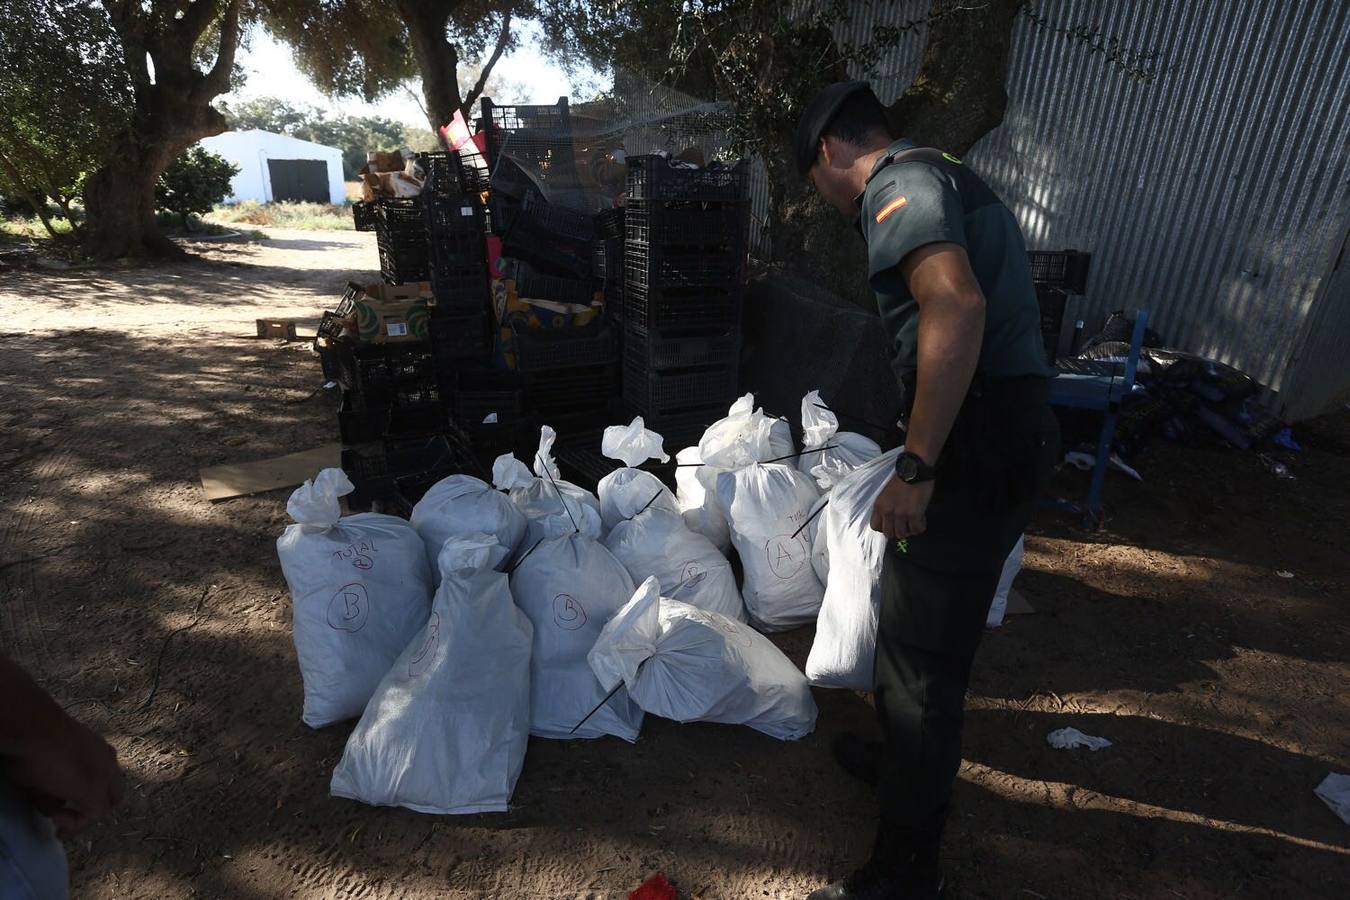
951,330
27,712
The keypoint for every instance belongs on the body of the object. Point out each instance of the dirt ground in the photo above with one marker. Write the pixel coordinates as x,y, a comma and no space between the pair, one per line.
163,621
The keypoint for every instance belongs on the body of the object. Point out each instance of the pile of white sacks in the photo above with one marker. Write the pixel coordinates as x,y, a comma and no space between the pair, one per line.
534,607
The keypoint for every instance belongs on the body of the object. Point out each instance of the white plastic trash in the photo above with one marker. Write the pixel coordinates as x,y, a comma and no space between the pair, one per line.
462,505
569,587
447,728
692,665
624,492
1011,566
696,496
845,646
847,449
360,589
1072,738
820,542
767,506
687,565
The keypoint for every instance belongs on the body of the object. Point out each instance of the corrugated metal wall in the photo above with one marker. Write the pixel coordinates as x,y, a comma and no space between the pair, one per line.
1216,196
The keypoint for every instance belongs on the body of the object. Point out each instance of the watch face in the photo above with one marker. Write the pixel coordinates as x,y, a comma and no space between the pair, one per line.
907,468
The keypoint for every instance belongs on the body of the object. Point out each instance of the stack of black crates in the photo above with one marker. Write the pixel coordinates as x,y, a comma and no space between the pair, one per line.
684,272
397,422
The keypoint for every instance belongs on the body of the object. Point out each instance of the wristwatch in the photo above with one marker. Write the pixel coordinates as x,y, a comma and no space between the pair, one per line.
911,469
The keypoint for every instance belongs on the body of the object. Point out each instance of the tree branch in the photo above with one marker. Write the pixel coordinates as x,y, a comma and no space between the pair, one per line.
196,18
217,81
477,89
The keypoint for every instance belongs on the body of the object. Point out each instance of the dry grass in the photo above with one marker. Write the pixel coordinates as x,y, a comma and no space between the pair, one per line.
310,216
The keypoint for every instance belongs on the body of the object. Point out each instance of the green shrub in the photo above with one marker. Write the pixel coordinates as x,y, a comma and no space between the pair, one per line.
194,183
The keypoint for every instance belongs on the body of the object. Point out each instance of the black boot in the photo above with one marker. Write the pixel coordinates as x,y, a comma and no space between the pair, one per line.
900,869
858,757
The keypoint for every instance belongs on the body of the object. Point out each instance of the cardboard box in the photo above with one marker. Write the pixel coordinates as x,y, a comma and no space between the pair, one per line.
389,313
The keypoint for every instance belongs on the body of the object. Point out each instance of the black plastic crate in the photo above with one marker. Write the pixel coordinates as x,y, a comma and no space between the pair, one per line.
564,256
676,308
402,263
456,287
358,426
375,469
463,336
460,214
379,374
609,223
707,225
1052,302
538,132
363,215
681,349
451,173
654,178
575,389
581,461
535,285
646,265
480,393
1067,269
607,258
538,215
400,217
563,348
678,389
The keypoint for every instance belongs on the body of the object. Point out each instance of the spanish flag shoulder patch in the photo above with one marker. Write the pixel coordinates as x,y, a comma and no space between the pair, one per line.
897,203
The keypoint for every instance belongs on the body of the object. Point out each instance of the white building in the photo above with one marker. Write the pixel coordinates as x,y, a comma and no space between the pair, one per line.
274,167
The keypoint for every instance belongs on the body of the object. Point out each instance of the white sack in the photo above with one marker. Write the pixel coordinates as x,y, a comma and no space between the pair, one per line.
687,565
624,492
1011,566
767,505
692,665
846,632
848,450
819,538
696,496
360,589
546,495
569,587
462,505
746,435
447,728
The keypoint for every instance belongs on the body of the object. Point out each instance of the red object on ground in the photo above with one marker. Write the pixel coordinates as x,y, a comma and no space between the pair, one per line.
654,888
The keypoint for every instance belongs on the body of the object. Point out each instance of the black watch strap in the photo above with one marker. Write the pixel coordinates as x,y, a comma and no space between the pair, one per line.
911,469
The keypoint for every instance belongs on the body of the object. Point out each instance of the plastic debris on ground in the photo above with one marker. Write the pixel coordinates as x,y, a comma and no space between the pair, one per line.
447,728
569,587
1334,791
654,888
691,665
360,590
1011,566
767,505
847,449
625,492
1072,738
843,651
462,505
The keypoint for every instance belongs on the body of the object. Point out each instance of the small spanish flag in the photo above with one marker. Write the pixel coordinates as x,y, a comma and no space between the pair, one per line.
891,207
456,134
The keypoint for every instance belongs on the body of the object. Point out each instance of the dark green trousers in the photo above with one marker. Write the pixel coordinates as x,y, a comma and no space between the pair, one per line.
937,589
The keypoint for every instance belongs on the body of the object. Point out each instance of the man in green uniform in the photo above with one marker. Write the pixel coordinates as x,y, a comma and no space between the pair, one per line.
949,268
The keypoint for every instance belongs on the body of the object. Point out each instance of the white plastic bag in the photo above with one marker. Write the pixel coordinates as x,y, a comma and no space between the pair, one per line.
447,728
546,494
697,500
569,587
462,505
746,435
1011,566
845,647
687,565
692,665
360,589
624,492
819,538
820,429
767,506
